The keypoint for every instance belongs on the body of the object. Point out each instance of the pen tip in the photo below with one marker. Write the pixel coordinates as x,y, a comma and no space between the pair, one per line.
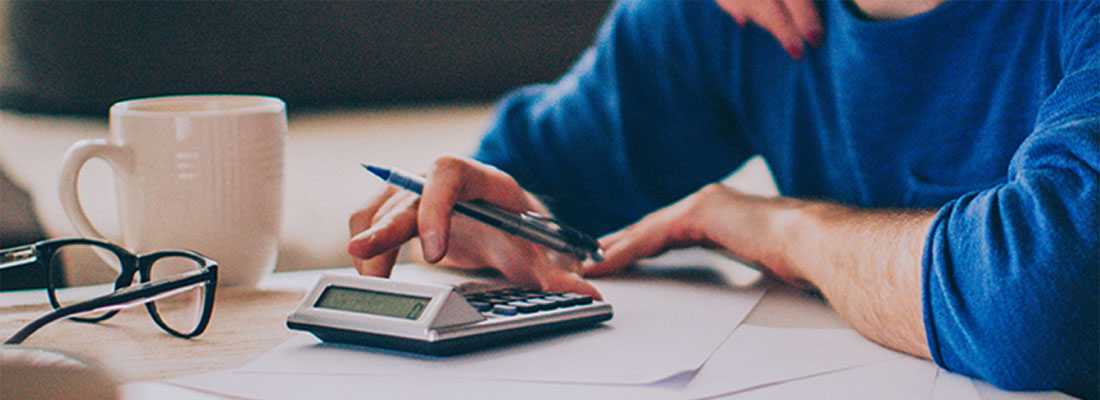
381,172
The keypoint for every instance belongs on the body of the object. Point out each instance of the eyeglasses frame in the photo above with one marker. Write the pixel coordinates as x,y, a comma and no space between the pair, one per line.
130,265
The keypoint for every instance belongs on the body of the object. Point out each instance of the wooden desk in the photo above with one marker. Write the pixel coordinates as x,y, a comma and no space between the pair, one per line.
245,323
250,321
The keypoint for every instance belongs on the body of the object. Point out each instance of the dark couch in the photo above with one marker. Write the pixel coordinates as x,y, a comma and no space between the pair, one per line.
79,57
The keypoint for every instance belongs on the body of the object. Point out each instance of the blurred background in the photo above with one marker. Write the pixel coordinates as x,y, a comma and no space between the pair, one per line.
417,76
388,82
79,57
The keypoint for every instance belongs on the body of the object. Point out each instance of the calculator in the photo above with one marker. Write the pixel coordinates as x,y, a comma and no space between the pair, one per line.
436,319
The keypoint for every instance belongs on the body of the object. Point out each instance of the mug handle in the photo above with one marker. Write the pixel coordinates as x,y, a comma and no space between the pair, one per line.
118,157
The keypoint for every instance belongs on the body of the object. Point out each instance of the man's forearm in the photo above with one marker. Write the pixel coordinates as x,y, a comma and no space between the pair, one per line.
867,264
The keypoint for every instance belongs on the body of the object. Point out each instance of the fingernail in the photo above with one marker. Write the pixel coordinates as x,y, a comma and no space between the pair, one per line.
795,50
814,37
433,245
362,235
359,245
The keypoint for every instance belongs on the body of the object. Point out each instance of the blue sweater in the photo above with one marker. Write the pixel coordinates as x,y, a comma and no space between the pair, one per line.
988,112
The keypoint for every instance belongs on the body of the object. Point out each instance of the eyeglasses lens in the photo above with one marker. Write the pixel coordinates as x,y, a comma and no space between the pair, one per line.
181,311
93,269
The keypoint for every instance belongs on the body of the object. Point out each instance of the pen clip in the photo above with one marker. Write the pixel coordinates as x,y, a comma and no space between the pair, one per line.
551,222
583,246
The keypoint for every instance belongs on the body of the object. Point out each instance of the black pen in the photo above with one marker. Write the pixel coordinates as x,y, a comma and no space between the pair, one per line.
531,226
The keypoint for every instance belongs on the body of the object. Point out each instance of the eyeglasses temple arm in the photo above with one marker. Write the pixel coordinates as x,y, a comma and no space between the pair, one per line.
123,298
37,324
17,256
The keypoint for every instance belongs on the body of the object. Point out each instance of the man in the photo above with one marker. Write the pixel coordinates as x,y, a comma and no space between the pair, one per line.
940,166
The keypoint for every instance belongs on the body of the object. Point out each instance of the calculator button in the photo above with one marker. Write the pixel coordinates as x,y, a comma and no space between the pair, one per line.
502,309
481,306
543,304
514,298
559,301
578,299
524,307
496,301
570,299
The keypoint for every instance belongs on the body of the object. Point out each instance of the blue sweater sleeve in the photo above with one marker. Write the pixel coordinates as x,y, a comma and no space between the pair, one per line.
637,123
1011,273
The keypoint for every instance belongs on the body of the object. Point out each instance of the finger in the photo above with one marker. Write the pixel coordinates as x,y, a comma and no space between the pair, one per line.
361,220
401,199
642,240
450,180
806,20
555,272
570,282
390,230
380,265
441,191
382,211
734,10
774,18
611,239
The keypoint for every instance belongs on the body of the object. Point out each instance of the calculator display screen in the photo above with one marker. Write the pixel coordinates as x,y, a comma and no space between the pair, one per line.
371,302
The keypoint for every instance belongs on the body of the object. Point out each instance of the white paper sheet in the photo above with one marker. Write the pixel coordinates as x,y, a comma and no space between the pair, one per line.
752,357
900,378
950,386
756,356
667,321
268,386
164,391
990,392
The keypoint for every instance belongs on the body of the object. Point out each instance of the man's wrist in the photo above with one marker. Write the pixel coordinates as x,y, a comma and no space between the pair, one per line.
799,230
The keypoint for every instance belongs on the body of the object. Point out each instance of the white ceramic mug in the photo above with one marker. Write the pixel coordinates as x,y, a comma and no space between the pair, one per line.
201,172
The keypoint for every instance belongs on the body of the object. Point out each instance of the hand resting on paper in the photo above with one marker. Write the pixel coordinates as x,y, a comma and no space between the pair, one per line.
716,217
395,216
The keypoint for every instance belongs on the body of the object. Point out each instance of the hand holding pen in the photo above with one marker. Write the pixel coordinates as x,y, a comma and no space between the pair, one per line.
397,215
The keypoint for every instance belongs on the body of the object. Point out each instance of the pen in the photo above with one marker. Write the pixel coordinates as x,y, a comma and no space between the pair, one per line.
531,226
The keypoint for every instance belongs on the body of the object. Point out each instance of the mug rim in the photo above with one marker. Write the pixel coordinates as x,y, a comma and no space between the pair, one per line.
259,104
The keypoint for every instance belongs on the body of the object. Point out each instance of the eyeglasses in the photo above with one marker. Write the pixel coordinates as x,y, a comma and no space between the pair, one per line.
176,286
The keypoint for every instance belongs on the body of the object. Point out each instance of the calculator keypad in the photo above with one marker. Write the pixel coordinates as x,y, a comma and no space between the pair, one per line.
514,301
502,309
481,306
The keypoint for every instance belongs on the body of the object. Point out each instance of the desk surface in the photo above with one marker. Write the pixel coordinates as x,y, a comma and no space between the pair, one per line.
250,321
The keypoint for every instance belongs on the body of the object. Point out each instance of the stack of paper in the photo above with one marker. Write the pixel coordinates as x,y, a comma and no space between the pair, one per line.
675,335
833,363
